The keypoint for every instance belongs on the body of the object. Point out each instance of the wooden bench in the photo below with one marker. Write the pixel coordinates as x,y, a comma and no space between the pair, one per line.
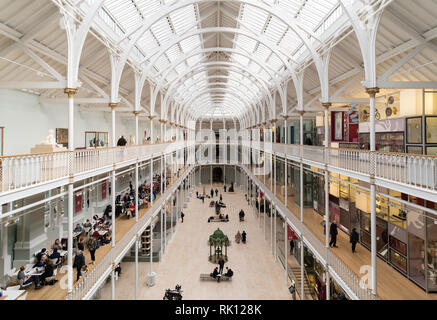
207,276
218,220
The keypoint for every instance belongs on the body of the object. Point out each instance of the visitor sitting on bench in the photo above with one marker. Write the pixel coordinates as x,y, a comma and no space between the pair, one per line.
215,273
229,273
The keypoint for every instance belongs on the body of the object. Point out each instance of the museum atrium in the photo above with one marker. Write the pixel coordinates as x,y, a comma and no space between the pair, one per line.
310,127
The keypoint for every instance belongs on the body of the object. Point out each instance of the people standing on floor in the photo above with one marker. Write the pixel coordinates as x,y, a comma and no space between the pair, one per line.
80,245
197,194
333,232
216,192
221,197
182,217
79,262
212,193
354,239
224,188
238,237
221,263
93,245
291,246
243,236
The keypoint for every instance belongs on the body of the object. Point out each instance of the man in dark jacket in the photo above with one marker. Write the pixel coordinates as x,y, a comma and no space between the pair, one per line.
354,239
221,263
212,193
121,142
291,246
79,262
333,232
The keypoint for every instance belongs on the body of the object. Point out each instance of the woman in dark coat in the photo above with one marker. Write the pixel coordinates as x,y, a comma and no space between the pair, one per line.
243,237
354,239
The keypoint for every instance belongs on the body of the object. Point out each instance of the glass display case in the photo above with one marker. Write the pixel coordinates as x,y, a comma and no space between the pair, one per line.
94,139
421,135
384,141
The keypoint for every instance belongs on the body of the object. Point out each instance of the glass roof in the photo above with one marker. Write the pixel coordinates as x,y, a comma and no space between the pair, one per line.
260,52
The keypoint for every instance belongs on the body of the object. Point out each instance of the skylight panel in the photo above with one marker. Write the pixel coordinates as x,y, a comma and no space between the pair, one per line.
262,52
125,13
240,59
148,7
162,31
190,43
183,19
275,30
254,18
147,42
161,63
173,53
245,43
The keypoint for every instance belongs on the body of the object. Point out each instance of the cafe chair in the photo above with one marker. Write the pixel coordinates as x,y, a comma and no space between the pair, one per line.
24,286
48,279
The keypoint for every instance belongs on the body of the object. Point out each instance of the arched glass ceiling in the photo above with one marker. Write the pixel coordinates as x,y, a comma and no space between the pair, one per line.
266,44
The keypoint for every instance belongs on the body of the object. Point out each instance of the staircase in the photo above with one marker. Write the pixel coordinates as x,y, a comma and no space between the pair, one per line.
298,278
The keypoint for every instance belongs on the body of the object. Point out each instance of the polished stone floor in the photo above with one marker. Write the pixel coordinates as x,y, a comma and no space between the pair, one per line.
256,275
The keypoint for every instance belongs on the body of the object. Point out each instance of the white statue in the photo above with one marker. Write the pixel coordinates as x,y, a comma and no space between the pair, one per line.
50,139
132,140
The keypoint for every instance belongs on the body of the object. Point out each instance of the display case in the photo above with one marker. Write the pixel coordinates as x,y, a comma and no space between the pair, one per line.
421,135
384,141
95,139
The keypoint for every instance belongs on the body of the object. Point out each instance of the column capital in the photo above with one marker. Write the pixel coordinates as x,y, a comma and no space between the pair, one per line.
274,121
372,91
285,117
301,112
113,105
162,121
151,117
70,91
136,113
264,124
326,105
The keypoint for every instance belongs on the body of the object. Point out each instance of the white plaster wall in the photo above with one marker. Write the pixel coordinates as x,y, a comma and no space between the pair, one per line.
27,122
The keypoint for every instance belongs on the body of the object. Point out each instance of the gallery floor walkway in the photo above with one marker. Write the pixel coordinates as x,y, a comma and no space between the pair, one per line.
256,275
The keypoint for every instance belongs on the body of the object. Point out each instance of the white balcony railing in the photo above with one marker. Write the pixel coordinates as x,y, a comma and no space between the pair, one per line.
17,172
415,170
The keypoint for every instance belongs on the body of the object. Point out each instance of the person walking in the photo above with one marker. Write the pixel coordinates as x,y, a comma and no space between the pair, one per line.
212,193
216,192
224,188
238,237
291,246
182,217
221,197
221,263
333,232
79,262
243,237
354,239
93,245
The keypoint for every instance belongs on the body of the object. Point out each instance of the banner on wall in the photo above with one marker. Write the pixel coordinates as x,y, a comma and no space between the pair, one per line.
104,190
78,201
291,234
